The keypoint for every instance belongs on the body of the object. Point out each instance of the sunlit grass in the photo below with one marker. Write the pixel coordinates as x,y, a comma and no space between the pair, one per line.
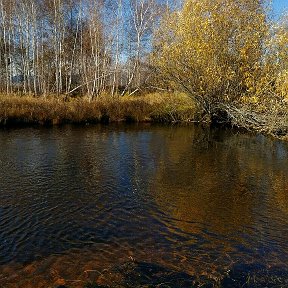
56,110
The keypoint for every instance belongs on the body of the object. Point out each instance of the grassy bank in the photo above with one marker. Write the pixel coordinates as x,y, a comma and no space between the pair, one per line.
58,110
267,118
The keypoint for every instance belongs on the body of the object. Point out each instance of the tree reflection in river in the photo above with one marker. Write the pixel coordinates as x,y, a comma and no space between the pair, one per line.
192,200
222,188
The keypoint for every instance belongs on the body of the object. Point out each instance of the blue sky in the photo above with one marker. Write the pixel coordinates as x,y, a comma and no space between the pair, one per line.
279,6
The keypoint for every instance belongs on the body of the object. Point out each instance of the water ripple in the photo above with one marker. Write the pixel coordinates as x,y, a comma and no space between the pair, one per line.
161,194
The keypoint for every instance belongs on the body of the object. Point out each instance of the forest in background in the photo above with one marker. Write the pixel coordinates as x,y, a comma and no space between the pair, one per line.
229,56
83,47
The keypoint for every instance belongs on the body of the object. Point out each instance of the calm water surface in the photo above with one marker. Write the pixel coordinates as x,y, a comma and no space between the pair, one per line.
125,206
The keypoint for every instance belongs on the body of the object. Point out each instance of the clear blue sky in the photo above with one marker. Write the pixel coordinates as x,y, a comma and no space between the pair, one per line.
279,6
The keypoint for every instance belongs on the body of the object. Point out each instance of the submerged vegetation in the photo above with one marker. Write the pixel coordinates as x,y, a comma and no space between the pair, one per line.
102,61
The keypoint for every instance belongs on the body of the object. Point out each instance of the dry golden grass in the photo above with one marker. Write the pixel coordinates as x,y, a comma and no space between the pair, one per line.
51,110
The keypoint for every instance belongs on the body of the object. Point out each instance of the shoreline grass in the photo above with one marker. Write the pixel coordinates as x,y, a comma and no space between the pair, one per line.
175,107
154,107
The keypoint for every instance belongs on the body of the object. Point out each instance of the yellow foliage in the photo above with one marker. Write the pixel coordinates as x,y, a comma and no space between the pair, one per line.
282,84
213,49
278,57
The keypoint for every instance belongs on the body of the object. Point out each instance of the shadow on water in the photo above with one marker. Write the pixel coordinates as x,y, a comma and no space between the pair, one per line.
192,207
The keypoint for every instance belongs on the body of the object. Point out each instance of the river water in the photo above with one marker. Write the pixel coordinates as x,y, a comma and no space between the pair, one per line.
140,205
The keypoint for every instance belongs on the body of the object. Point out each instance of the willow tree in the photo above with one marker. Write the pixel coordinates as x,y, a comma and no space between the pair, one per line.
279,55
213,49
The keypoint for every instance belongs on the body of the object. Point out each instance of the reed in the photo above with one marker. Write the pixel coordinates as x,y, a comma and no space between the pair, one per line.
50,110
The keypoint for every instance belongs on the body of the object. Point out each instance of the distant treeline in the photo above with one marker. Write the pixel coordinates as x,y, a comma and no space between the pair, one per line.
76,46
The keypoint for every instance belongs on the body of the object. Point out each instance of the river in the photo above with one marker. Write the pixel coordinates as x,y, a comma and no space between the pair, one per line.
139,205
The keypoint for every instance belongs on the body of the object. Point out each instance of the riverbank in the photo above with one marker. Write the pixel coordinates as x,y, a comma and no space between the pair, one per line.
266,118
23,110
270,118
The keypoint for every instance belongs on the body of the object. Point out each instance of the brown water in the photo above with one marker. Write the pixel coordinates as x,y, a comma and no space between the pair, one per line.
133,206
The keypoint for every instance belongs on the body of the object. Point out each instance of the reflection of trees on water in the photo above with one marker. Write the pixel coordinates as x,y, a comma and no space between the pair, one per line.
161,195
280,177
281,191
219,182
